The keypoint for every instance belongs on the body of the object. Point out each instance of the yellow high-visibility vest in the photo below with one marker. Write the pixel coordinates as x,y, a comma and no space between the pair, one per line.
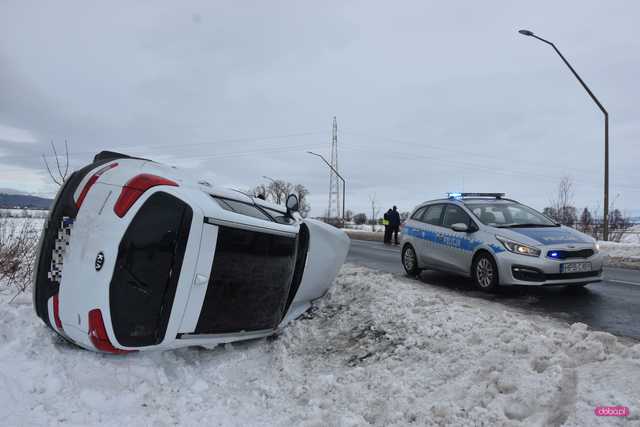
385,222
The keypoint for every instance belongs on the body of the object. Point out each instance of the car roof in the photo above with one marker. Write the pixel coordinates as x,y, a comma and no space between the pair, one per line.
464,201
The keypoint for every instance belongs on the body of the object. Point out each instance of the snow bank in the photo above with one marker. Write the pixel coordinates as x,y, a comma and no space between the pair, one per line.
633,236
377,350
621,250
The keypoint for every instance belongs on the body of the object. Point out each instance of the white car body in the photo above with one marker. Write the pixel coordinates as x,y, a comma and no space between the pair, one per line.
261,280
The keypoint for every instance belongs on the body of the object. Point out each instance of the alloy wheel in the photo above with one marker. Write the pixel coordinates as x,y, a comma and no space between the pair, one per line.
484,273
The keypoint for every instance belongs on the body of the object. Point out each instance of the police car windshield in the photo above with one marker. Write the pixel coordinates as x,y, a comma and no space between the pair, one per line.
504,214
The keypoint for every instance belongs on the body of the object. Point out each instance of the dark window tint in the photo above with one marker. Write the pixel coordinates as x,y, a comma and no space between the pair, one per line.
418,214
454,215
432,215
279,217
147,270
242,208
249,283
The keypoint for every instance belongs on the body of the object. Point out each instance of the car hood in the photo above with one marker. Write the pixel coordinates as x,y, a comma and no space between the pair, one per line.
546,235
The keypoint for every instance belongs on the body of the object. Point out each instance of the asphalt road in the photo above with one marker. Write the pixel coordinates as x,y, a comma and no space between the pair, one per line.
612,305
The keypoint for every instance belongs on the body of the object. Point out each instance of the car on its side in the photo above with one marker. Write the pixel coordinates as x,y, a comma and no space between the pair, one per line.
497,241
136,255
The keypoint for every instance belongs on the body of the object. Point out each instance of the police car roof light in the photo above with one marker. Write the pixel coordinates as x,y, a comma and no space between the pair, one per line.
463,195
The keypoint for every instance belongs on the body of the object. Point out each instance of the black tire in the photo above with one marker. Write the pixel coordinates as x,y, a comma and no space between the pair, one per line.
485,272
410,261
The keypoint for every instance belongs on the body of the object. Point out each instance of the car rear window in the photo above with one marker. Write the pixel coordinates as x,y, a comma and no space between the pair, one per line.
147,270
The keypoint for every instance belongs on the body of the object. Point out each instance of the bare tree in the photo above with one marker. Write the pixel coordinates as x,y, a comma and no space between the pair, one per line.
562,209
374,211
260,191
303,203
348,215
61,176
586,220
278,190
360,218
619,223
18,242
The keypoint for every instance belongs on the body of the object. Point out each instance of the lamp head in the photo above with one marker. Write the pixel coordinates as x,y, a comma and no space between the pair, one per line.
526,33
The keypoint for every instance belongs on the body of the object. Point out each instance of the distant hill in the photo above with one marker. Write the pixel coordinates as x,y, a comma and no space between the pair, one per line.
9,201
10,191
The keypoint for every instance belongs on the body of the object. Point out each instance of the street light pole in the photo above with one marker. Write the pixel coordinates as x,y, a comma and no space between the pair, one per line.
337,174
606,129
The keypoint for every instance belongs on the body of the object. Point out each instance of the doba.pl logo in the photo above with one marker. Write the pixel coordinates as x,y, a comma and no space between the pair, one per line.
612,411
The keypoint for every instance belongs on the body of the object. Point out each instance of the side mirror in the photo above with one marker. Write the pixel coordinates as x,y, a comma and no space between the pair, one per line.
460,227
292,203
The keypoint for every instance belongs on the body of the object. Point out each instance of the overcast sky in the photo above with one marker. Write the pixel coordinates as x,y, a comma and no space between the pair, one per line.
430,96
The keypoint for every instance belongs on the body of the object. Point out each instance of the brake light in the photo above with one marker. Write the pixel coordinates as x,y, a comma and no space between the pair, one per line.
135,188
98,334
56,311
91,182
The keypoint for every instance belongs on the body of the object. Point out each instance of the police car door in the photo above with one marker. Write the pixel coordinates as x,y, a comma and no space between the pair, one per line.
457,247
431,247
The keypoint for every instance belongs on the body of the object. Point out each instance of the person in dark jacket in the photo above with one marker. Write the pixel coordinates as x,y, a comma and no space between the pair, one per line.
387,228
394,224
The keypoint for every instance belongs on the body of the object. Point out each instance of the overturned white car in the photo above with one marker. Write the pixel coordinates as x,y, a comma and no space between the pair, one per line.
137,255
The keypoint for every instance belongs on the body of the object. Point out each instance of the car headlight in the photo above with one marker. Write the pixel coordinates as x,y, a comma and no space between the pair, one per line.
518,248
596,247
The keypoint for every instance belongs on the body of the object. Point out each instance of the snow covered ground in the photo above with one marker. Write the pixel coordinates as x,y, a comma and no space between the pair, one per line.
379,349
621,250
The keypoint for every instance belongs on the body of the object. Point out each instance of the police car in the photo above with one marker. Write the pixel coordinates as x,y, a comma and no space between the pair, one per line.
497,241
137,255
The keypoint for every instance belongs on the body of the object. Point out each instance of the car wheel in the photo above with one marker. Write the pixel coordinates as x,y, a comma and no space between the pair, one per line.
410,261
485,272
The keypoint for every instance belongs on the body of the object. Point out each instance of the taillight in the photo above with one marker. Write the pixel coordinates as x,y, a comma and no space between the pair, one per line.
98,334
134,189
56,311
91,182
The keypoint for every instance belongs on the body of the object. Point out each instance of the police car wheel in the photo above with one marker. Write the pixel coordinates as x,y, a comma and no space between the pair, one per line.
410,261
485,272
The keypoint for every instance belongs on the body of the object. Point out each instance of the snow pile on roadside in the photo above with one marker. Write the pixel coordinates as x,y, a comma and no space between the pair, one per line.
633,235
377,350
621,250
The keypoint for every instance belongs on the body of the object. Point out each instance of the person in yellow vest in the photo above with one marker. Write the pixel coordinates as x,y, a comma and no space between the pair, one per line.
387,228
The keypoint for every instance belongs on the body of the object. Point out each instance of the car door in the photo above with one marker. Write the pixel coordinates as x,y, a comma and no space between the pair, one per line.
431,230
412,232
457,247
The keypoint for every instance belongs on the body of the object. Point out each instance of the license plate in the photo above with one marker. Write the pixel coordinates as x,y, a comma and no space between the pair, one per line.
575,267
60,248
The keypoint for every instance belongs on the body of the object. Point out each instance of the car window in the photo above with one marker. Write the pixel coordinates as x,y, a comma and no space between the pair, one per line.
508,214
455,215
432,215
249,283
418,214
242,208
279,217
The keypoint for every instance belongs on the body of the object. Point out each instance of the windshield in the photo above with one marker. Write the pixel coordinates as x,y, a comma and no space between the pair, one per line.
508,215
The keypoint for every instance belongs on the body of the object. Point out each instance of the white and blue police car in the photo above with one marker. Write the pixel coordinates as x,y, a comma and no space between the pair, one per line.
497,241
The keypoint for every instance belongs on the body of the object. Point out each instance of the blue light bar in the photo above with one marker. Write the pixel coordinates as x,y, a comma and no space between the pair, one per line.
459,196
